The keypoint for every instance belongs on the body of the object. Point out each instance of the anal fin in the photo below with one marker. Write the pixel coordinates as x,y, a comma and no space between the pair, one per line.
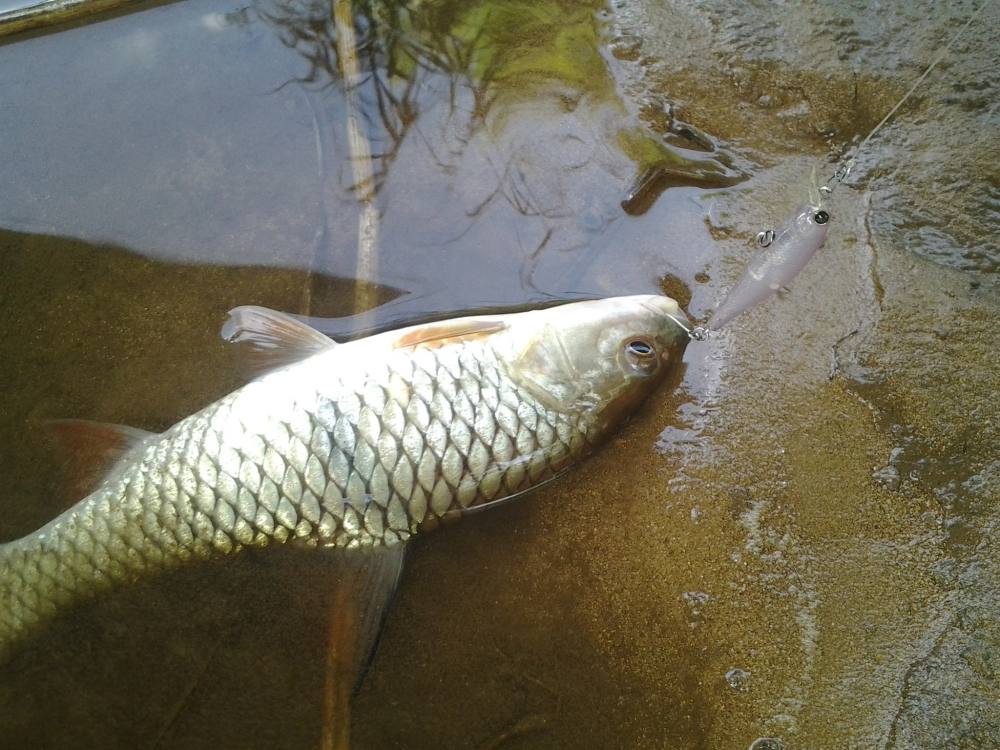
91,450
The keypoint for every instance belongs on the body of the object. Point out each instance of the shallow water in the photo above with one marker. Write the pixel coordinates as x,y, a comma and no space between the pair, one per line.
814,501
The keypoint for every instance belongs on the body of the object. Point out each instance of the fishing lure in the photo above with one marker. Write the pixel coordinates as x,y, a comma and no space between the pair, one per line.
786,253
787,250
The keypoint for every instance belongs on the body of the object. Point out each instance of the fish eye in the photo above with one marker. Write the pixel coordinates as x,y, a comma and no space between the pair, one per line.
639,356
821,217
639,348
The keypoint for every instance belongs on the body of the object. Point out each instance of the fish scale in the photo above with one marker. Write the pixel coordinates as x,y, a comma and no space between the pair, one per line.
364,460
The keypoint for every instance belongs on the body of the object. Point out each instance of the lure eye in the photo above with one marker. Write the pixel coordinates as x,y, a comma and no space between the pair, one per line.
821,217
639,348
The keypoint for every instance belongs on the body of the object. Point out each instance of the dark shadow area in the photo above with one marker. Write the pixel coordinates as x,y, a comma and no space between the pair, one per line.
97,332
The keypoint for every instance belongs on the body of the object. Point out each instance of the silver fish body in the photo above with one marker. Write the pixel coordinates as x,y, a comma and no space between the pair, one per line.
358,446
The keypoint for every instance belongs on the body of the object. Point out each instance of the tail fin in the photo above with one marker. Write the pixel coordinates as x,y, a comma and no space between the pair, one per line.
23,603
10,625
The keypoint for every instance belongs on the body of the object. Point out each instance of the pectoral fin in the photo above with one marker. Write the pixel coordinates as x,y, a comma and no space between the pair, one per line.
363,589
447,331
275,338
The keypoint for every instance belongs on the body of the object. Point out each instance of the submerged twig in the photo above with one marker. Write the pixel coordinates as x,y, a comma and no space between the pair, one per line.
525,725
361,158
336,730
185,696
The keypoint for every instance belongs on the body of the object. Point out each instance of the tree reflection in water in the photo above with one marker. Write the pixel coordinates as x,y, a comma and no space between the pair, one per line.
521,84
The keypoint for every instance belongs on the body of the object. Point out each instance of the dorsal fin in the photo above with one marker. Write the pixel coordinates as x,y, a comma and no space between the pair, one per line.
91,450
448,331
275,338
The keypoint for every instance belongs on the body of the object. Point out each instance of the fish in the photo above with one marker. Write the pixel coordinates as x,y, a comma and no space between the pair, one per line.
353,448
792,247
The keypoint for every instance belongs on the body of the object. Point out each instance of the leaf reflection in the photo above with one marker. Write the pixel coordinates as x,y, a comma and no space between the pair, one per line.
515,108
484,58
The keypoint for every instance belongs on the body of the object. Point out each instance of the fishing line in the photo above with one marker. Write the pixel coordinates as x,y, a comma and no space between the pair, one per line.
797,241
692,333
845,169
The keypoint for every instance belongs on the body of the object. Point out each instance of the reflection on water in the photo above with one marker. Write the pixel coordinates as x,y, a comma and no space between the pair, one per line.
755,518
494,126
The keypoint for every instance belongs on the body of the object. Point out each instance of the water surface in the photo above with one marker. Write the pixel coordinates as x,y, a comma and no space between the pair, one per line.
813,502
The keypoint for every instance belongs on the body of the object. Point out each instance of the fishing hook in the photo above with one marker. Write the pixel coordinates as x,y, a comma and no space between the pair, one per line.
765,238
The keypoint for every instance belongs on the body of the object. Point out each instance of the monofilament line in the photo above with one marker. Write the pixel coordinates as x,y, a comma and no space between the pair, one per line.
841,174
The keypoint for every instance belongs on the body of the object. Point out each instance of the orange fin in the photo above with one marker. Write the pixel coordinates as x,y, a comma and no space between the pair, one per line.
92,450
275,338
363,588
448,331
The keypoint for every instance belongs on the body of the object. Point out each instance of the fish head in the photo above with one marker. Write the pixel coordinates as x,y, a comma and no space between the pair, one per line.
598,358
